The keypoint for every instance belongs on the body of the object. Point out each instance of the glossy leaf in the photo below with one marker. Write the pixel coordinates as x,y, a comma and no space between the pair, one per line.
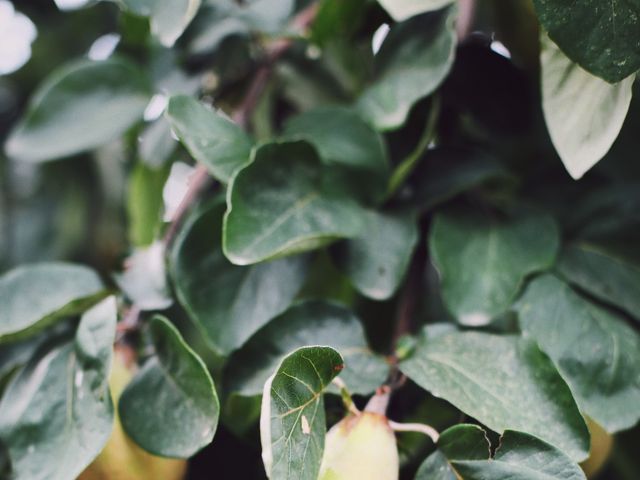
56,414
34,296
602,37
464,442
285,201
436,467
176,381
80,107
292,418
308,323
168,18
401,10
228,303
343,138
482,261
377,260
524,457
212,139
584,114
594,350
603,274
503,381
409,66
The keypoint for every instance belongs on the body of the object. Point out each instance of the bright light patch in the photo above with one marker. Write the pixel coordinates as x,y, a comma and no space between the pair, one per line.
104,46
156,107
17,33
500,49
176,188
71,4
379,36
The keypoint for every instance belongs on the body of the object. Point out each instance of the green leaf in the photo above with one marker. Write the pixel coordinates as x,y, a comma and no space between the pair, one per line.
594,350
341,137
603,37
144,203
144,280
436,467
5,462
56,414
308,323
35,296
413,61
80,107
465,442
483,261
285,201
401,10
292,419
168,18
602,273
524,457
228,303
212,139
584,114
505,382
377,260
170,408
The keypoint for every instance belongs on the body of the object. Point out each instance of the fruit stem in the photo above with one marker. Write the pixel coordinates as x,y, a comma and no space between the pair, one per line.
346,396
380,401
416,427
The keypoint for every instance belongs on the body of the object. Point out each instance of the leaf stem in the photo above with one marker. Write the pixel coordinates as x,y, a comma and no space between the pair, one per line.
404,169
415,427
346,396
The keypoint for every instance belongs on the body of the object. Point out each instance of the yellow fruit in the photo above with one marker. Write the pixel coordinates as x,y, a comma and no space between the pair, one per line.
361,446
601,446
121,458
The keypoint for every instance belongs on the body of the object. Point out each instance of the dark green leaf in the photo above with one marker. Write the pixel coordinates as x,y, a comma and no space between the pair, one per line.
79,107
212,139
436,467
286,202
170,408
464,442
595,351
584,114
403,9
524,457
5,462
603,274
34,296
413,61
229,303
292,419
168,18
57,415
343,138
603,37
308,323
377,260
483,261
503,381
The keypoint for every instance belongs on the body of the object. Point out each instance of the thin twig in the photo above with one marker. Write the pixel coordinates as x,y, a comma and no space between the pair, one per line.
415,427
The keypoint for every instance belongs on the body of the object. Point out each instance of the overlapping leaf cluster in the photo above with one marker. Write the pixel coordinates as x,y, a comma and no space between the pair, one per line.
391,200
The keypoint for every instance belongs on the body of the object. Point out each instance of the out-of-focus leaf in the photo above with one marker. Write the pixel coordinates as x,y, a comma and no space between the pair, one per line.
176,381
305,324
482,261
377,260
34,296
413,61
228,303
401,10
79,107
212,139
144,203
285,201
292,418
584,114
594,350
505,382
56,414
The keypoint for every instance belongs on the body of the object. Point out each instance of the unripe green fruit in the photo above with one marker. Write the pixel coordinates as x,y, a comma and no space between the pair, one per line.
601,446
121,458
358,447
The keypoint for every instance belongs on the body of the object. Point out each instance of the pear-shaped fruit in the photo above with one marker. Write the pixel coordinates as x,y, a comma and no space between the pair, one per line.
121,458
361,446
601,446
